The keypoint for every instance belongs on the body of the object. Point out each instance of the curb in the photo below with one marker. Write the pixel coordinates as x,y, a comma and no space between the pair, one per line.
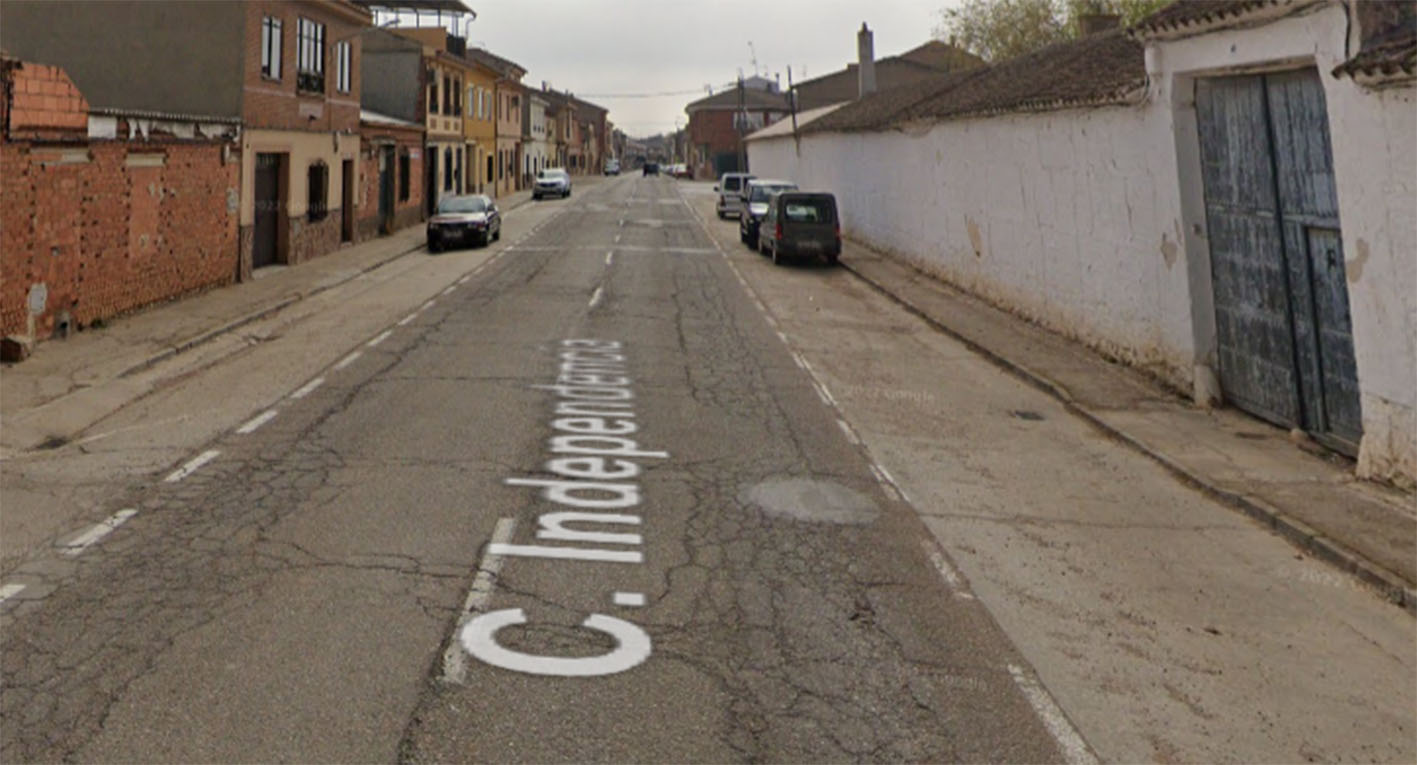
1392,587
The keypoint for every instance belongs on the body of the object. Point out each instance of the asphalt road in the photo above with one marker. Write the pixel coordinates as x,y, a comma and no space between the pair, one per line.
397,564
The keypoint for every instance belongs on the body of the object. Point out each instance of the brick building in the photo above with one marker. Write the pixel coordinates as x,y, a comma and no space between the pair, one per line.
106,210
718,123
391,190
287,71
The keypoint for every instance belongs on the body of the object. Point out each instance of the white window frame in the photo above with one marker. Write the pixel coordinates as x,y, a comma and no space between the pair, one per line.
344,59
270,47
310,47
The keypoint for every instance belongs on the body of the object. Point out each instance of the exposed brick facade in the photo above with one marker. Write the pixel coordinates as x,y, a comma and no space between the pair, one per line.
283,105
406,142
110,226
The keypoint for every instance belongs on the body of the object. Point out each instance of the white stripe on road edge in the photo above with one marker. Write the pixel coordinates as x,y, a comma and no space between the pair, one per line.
885,483
798,360
428,304
308,388
483,582
408,318
256,422
781,336
609,258
595,296
617,238
381,338
347,360
825,394
947,572
10,590
850,434
466,279
771,321
449,289
630,599
191,466
100,530
1075,750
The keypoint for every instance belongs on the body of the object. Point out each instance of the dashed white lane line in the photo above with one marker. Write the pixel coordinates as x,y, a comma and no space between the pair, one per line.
347,360
782,336
10,590
798,360
609,258
850,434
595,296
885,482
408,318
467,278
947,572
483,583
192,466
256,422
98,531
308,388
1075,750
617,238
630,599
449,289
428,304
380,338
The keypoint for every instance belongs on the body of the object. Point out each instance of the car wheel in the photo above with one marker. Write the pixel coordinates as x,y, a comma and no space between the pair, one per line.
434,245
777,258
497,237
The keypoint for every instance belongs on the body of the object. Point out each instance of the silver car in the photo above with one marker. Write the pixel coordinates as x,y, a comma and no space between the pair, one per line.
553,181
729,188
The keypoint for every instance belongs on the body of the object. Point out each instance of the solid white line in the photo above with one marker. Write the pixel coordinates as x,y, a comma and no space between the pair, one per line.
483,583
1075,750
822,393
191,466
850,434
631,599
10,590
408,318
100,530
797,358
826,394
381,338
887,474
347,360
308,388
256,422
947,572
595,296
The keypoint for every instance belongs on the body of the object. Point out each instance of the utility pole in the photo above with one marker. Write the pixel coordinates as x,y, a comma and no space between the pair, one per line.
792,104
742,123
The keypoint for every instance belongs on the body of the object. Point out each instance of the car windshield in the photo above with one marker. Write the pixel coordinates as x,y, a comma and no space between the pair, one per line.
761,193
807,211
550,175
462,205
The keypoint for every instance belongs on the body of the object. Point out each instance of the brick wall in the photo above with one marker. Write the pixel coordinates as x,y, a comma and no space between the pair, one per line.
277,103
108,227
45,101
406,212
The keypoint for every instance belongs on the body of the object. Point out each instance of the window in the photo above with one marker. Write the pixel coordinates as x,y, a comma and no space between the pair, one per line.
490,176
405,171
447,169
471,101
448,95
344,57
457,97
432,92
310,56
457,172
318,181
270,47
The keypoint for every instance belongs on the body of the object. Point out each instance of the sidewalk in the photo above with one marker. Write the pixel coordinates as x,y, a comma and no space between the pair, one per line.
1312,499
67,385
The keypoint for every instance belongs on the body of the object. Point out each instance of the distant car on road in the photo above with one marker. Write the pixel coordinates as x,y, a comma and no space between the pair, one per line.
801,223
462,219
754,205
729,188
682,171
552,181
612,167
651,168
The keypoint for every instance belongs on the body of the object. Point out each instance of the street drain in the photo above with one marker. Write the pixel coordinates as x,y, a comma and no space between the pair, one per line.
1024,414
803,499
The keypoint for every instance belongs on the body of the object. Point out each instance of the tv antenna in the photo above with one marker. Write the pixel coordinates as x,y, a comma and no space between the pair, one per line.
753,53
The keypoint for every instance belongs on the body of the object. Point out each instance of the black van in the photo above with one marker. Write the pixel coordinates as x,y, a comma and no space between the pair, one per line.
801,223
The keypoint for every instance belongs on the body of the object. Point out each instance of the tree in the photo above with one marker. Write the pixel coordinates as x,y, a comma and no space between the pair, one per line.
996,30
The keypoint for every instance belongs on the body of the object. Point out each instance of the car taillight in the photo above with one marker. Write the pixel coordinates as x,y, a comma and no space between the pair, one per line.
778,233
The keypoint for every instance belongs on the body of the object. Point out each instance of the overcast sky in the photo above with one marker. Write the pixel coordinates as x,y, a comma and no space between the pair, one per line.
600,48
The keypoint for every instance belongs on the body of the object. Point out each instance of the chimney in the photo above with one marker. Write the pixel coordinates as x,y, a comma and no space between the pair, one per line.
866,55
1092,23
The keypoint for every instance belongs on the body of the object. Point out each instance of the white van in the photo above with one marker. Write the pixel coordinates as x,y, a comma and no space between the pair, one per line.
730,188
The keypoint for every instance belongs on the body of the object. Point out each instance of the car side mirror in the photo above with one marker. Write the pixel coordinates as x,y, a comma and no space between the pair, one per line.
715,187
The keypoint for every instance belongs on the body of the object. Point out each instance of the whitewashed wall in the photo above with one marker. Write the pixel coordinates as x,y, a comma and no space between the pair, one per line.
1092,221
1065,217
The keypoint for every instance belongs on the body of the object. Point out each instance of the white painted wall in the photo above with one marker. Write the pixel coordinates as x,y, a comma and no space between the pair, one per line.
1092,221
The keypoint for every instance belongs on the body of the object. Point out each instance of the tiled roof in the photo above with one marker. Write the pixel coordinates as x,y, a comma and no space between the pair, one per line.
783,127
752,99
504,66
1185,14
1106,68
1389,46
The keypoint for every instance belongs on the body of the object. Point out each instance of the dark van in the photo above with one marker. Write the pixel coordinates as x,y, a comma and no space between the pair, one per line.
801,223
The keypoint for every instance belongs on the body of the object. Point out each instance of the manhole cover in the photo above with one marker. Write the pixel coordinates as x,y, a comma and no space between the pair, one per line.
803,499
1024,414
